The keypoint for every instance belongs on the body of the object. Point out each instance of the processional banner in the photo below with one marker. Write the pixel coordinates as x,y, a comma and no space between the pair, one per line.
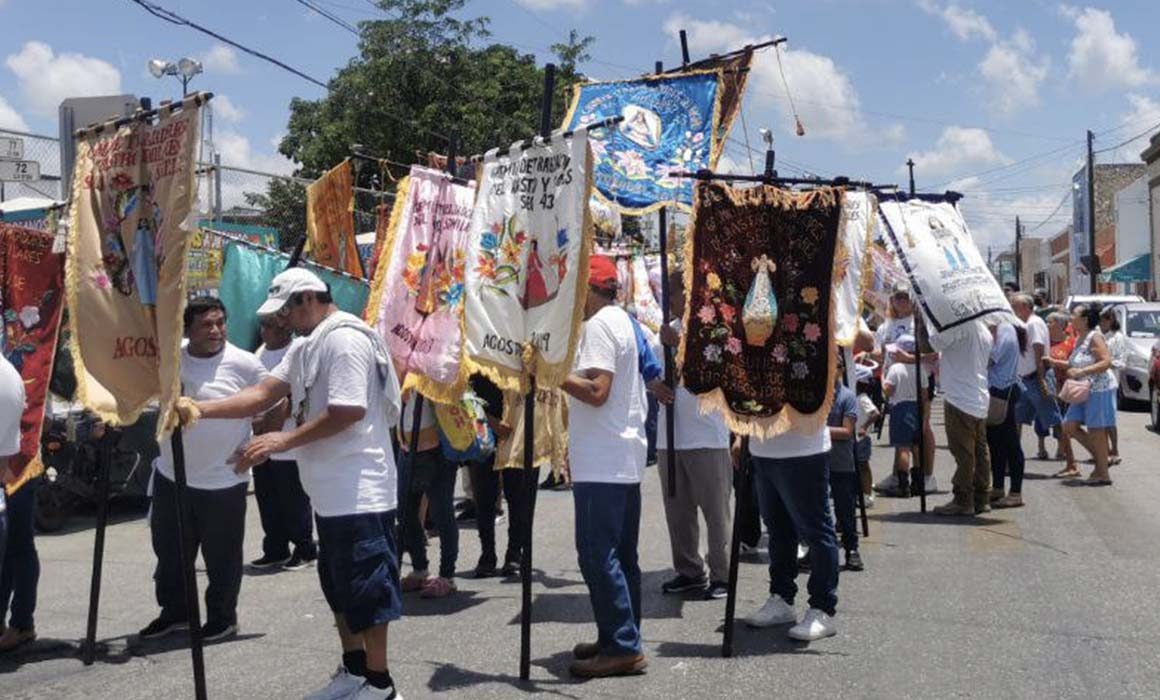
417,294
134,188
760,266
950,279
670,125
527,271
31,292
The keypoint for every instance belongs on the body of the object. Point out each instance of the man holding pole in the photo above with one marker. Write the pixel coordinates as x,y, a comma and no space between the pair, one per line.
344,398
607,451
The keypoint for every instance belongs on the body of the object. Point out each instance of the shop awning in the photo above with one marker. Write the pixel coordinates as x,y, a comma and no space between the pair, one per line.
1137,269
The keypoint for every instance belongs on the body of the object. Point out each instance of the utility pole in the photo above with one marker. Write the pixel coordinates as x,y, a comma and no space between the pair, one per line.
1018,253
910,167
1091,212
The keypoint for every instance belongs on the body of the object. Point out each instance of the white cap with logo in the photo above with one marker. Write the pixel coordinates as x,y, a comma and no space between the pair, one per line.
287,284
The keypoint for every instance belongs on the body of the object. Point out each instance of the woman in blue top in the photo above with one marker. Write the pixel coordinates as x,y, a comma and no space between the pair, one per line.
1091,362
1003,437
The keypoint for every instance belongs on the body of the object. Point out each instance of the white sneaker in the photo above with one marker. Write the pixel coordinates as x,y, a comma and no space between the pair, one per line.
869,501
803,551
343,684
890,483
369,692
746,550
775,612
814,626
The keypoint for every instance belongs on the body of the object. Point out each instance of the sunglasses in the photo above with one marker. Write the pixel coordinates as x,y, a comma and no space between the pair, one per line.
294,300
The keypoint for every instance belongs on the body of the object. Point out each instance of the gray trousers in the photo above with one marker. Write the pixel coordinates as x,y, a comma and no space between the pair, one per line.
704,481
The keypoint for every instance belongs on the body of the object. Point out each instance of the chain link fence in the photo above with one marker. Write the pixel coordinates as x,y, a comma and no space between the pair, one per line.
44,150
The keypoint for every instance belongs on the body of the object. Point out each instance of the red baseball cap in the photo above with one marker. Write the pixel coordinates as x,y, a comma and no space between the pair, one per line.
602,273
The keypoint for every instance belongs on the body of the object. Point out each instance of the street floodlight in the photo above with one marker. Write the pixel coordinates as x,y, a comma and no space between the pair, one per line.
159,68
766,136
184,70
189,67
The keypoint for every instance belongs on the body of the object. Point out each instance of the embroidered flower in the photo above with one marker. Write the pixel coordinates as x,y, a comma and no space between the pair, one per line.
562,238
29,316
812,332
497,228
790,322
799,370
810,295
632,163
780,354
122,181
100,280
733,345
706,314
511,251
489,241
728,313
714,281
712,353
486,268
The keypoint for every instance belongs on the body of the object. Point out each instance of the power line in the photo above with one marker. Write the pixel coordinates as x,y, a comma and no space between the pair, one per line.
1121,144
174,18
328,15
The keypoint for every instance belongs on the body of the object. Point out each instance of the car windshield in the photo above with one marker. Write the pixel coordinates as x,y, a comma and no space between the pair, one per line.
1143,324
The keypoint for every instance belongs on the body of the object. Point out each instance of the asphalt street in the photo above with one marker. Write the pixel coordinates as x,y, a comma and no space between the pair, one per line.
1054,600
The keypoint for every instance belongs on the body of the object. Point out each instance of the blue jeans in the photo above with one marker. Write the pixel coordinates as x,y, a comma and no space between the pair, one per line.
650,429
1035,408
607,530
794,497
19,563
358,567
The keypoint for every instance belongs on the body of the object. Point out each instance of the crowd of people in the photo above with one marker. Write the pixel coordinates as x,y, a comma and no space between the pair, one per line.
340,453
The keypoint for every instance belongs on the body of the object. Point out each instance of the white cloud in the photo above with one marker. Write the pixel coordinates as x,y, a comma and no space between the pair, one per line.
46,78
226,110
991,215
958,147
1100,57
553,4
1013,73
964,23
221,59
1144,113
9,117
237,151
824,94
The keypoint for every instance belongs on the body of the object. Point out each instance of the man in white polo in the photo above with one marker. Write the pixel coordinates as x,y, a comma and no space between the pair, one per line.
344,398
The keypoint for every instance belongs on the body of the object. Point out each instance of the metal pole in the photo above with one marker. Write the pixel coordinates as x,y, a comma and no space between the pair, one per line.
1018,253
684,49
530,442
1091,211
217,187
921,457
741,496
189,575
104,460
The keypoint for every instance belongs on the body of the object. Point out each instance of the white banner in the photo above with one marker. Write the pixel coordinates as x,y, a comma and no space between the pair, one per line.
950,279
860,212
527,270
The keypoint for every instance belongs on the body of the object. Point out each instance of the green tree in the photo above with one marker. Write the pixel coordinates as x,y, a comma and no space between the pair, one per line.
424,74
284,204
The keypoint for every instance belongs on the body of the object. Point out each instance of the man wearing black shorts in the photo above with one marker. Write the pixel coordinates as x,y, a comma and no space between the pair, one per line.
344,396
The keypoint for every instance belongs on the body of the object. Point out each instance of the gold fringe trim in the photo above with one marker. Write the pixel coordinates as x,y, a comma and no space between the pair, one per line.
379,276
714,401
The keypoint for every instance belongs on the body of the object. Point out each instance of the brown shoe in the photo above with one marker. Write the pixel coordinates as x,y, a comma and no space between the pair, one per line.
1013,500
953,508
585,650
603,666
14,638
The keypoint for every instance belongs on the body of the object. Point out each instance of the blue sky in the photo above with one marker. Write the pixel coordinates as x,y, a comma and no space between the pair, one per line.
989,97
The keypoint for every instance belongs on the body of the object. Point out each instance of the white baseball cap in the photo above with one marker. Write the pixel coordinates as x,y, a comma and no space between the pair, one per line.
287,284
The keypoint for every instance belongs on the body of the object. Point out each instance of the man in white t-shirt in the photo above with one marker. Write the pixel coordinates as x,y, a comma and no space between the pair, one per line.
963,377
704,478
11,410
345,397
792,479
282,504
1036,404
607,453
215,503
